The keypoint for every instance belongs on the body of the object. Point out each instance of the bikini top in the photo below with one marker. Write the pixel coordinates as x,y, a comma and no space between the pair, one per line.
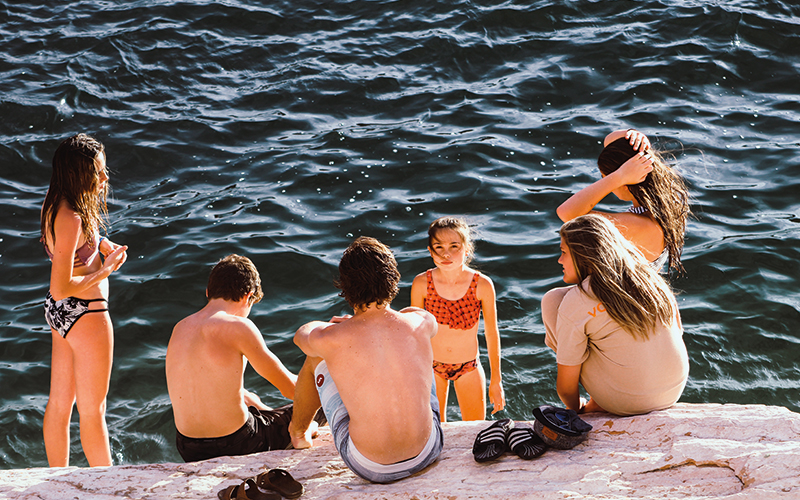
84,256
658,264
461,314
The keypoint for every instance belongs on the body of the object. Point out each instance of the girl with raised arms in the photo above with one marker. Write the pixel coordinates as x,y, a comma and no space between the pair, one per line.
617,330
456,295
76,306
656,221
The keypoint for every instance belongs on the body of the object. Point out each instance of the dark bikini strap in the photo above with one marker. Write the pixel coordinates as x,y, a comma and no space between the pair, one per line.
96,310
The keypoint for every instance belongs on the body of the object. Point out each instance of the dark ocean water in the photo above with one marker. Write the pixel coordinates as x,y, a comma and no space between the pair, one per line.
282,130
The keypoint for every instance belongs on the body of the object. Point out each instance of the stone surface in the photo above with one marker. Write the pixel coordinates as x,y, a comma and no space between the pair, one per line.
686,452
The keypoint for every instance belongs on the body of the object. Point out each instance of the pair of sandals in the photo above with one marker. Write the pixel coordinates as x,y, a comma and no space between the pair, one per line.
277,482
504,436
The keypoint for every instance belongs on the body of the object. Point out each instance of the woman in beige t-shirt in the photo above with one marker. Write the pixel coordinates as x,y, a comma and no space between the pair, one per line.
617,331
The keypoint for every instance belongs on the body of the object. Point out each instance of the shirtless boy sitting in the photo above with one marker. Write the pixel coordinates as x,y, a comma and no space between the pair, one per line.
372,373
206,357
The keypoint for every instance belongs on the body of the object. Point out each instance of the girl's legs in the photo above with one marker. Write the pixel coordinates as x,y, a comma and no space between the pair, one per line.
471,393
92,343
58,412
442,388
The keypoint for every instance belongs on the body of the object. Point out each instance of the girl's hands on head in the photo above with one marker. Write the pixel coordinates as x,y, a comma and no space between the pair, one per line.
639,141
635,170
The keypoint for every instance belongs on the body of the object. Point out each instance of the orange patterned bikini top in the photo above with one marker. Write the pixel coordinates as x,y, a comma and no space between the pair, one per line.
461,314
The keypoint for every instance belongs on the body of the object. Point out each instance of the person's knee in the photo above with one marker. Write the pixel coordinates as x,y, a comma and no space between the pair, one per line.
59,407
311,363
91,408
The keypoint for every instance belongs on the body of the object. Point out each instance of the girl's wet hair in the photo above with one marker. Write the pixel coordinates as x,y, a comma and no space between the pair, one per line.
632,291
75,179
663,193
460,227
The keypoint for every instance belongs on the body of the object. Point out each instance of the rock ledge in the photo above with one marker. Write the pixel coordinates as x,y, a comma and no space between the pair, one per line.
689,452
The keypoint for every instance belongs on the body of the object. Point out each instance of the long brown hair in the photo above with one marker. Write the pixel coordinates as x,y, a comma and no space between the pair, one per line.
632,291
74,180
663,193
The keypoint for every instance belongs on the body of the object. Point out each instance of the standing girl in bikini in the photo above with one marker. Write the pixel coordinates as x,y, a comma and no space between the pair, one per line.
656,222
456,295
76,307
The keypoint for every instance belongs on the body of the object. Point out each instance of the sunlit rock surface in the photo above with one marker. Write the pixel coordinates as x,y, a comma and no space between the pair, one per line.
688,452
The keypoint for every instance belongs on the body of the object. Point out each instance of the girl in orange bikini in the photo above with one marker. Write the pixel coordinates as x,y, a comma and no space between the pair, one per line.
76,306
456,294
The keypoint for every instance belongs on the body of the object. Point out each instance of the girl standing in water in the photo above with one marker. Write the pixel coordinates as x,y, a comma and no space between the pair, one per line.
656,221
76,306
617,331
456,294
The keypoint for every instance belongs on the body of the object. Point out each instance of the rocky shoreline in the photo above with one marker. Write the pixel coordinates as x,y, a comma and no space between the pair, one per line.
690,451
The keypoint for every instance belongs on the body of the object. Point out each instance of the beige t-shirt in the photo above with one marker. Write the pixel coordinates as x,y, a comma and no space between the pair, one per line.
624,375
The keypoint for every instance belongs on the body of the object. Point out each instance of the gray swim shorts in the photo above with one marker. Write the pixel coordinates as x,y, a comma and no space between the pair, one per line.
339,420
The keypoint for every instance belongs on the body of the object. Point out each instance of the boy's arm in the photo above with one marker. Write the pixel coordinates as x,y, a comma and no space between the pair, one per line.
264,362
307,337
486,294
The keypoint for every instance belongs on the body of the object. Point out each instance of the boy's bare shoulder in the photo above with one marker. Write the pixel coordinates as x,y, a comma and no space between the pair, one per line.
419,319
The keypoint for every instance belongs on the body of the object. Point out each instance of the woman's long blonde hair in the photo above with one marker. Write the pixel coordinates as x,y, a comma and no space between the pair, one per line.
632,291
74,179
663,193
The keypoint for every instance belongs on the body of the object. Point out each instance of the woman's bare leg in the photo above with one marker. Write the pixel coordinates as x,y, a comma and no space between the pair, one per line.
92,343
58,412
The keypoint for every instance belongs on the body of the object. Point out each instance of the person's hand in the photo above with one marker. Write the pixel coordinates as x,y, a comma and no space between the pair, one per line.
107,246
634,170
497,397
116,258
252,399
340,319
590,407
639,141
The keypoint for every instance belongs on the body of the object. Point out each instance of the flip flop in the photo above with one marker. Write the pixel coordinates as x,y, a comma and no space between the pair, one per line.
246,491
281,481
525,443
490,443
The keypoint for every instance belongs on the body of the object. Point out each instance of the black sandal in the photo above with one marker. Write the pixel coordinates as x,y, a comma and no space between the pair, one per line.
246,491
281,481
491,442
525,443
